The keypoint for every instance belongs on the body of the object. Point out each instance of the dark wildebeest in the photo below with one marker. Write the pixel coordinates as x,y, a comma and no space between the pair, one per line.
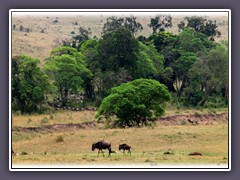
125,147
100,145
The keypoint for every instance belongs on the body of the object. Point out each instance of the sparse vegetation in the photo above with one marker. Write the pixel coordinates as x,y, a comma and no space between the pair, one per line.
59,139
178,140
44,120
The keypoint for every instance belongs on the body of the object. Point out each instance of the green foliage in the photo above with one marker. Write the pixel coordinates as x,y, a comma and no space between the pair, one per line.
200,25
162,40
189,42
29,84
211,78
118,49
114,23
67,70
183,64
83,35
135,103
149,62
160,22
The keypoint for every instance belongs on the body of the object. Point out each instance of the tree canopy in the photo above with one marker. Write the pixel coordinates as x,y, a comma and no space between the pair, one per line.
113,23
106,69
160,23
201,25
135,103
29,84
67,70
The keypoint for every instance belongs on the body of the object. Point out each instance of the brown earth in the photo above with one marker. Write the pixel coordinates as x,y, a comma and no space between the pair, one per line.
192,119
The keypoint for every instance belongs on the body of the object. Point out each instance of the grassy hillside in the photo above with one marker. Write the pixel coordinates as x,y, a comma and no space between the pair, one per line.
46,32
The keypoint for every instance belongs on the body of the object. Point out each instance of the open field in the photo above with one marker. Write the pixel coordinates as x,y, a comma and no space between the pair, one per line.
73,145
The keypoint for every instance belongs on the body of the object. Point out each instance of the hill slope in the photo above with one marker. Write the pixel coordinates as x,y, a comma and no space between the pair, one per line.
41,34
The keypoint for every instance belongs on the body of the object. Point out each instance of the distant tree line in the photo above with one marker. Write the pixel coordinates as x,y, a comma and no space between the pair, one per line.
191,65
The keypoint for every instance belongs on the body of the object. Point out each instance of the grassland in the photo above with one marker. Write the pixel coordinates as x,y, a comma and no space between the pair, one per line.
73,146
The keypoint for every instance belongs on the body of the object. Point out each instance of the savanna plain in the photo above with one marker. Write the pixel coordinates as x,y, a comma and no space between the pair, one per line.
66,138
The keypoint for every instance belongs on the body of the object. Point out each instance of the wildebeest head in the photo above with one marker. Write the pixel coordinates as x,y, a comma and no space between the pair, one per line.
93,146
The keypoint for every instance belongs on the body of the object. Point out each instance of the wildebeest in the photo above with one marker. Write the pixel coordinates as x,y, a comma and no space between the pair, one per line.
125,147
100,145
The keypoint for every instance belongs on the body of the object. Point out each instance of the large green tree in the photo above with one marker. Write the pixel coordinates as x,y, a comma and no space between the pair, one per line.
135,103
29,84
116,59
67,69
208,76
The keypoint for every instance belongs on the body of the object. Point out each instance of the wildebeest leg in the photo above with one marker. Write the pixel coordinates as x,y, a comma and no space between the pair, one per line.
129,151
98,152
109,152
124,152
102,153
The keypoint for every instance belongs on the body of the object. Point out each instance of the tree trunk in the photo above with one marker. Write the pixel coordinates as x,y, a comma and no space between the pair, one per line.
202,102
89,91
182,86
65,97
22,105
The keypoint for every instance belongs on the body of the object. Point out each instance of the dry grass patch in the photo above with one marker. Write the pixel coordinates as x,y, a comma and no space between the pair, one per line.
62,117
148,145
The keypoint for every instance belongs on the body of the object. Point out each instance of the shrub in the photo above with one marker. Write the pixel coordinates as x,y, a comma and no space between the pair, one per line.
59,139
51,117
44,120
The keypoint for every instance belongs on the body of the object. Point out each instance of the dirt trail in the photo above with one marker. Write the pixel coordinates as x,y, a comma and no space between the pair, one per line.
194,119
191,119
55,127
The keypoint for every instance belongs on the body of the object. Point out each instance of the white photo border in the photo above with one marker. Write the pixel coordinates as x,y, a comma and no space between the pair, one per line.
117,167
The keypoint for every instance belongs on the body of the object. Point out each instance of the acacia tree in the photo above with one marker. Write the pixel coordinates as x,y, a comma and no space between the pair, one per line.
82,36
113,23
201,25
160,23
67,70
135,103
29,84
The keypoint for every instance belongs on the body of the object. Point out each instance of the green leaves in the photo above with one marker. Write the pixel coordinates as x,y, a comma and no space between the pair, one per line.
114,23
135,103
200,25
29,83
160,23
208,75
67,70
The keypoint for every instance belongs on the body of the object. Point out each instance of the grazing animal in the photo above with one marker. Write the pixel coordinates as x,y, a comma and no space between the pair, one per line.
100,145
125,147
